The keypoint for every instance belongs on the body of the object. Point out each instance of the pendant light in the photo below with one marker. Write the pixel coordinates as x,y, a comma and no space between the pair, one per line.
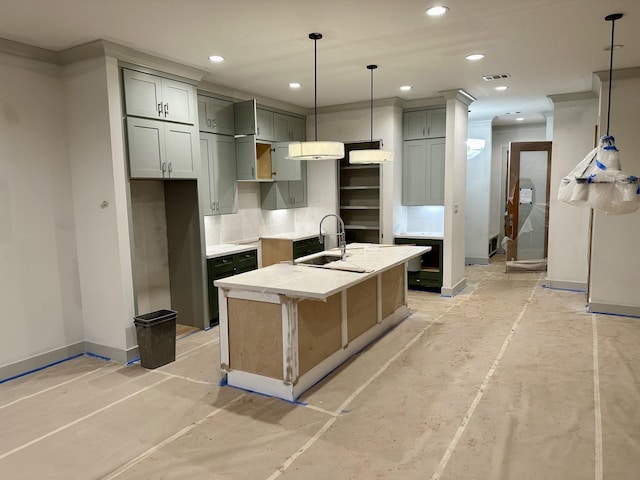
371,156
315,150
598,181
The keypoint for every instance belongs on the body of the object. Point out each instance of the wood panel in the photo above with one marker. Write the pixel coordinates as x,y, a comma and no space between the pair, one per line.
392,290
319,331
255,337
276,250
362,303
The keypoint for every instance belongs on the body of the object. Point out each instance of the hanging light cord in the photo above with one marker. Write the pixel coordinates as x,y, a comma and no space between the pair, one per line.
315,37
371,101
612,18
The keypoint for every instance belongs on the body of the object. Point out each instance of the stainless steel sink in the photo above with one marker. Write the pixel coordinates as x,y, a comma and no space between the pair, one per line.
319,260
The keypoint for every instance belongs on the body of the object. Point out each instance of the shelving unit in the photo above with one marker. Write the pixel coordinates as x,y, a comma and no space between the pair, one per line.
360,196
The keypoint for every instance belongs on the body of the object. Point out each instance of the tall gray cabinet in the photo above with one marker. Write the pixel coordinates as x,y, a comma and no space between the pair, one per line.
164,166
423,157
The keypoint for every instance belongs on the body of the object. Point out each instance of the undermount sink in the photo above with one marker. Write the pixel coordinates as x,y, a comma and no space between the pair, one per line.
319,259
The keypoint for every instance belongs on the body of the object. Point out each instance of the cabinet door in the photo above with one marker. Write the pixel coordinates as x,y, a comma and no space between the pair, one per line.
414,167
207,194
297,129
179,102
264,121
287,128
142,94
215,115
245,117
223,175
146,148
283,168
414,125
245,158
181,150
435,171
280,128
297,194
436,123
223,116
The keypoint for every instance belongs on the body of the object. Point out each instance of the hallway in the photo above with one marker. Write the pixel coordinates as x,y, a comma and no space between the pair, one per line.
508,380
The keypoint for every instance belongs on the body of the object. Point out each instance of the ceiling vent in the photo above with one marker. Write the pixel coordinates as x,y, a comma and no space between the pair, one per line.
497,76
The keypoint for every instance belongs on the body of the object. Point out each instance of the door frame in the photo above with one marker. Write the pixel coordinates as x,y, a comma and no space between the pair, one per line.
513,199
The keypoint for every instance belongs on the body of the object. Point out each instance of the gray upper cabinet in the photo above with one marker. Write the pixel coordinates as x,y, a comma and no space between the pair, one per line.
152,96
283,168
219,188
423,163
288,128
264,125
253,159
285,194
215,115
424,124
161,149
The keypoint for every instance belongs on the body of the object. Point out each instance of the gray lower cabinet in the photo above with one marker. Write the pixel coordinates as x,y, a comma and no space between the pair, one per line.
215,115
423,163
219,189
285,194
159,149
430,273
156,97
223,267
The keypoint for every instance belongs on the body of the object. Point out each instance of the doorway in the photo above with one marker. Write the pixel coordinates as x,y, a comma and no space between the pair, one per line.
527,209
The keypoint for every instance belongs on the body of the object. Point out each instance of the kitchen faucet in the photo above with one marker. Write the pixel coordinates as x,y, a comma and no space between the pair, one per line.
342,237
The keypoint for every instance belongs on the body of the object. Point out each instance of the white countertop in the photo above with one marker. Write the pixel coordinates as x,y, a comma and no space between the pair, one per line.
293,236
223,249
429,235
304,281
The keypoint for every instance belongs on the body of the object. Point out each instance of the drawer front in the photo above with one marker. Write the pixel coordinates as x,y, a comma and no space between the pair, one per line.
223,266
306,247
246,261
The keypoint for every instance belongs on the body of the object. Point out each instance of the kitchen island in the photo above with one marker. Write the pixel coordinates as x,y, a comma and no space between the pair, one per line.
285,326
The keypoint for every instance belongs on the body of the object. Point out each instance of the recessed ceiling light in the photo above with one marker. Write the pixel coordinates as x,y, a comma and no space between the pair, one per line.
519,119
437,11
501,87
475,56
216,58
405,88
294,85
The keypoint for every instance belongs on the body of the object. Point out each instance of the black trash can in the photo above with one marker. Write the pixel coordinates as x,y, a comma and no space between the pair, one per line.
156,333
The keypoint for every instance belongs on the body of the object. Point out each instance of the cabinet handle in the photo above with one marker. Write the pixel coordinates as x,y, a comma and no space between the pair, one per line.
213,206
428,131
258,131
163,167
169,167
160,109
166,109
253,171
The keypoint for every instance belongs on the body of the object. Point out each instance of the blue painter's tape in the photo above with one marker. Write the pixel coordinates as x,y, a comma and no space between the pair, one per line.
133,361
89,354
601,166
563,289
611,314
293,402
611,147
28,372
591,178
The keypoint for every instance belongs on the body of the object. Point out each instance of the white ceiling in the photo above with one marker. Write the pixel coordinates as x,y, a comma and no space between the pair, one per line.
547,46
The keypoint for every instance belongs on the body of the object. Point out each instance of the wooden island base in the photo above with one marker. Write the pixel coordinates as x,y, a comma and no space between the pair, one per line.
281,346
